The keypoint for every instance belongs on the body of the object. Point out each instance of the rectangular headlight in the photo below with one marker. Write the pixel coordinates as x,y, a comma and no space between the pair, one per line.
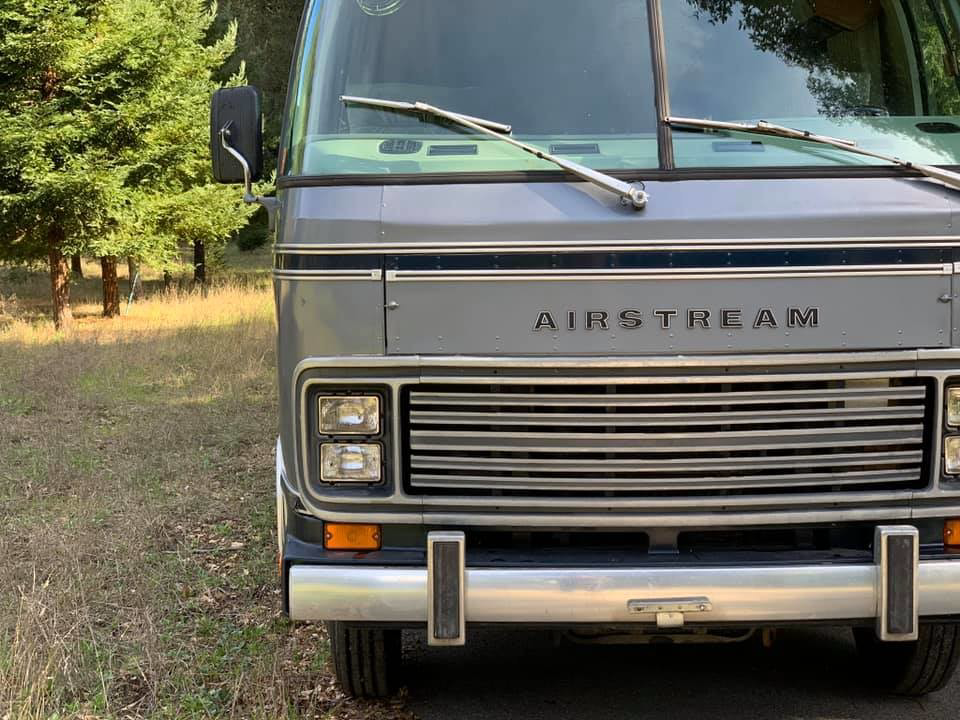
341,462
953,406
349,415
951,454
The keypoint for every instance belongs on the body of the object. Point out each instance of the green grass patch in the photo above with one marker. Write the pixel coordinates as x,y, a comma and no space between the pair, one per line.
136,486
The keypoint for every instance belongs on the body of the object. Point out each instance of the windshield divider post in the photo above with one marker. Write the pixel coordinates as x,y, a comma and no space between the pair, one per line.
661,87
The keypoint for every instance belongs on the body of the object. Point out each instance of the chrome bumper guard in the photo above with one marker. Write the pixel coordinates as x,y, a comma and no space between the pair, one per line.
897,590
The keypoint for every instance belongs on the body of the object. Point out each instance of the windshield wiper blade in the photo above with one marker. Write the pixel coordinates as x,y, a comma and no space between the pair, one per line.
630,194
947,177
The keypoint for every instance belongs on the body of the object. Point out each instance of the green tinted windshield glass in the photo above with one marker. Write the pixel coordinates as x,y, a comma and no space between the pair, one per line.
883,73
571,76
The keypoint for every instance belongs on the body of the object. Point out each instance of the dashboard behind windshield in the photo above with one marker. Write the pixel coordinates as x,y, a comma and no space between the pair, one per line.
577,79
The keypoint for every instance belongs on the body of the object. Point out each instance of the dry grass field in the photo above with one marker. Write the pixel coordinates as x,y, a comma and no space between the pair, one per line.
137,539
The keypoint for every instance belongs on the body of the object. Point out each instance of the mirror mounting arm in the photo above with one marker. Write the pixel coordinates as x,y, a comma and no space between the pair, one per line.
248,195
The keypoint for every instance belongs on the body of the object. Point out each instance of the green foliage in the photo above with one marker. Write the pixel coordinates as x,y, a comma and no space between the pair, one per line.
783,28
256,233
940,59
104,127
266,39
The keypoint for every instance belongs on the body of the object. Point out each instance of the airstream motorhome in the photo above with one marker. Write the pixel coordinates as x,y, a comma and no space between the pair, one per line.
623,318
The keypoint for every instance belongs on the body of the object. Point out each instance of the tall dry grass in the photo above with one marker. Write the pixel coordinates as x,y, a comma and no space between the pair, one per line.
109,433
137,561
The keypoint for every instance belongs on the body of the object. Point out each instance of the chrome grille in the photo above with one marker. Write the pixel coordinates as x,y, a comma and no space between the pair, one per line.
663,438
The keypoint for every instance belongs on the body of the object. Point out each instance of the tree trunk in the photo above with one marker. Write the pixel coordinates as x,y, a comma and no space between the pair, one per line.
76,265
59,280
111,291
199,262
133,272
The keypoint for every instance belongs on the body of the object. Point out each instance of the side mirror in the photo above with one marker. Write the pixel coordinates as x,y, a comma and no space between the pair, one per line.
236,139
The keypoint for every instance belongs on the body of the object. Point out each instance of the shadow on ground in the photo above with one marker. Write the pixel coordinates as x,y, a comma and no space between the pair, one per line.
809,675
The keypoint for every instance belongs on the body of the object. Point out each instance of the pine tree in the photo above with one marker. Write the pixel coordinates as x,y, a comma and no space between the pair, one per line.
103,132
44,201
266,39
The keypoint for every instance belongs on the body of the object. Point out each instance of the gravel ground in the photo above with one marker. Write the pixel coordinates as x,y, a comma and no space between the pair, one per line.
809,675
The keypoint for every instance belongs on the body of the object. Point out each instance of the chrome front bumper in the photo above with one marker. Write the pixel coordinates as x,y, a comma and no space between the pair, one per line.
759,595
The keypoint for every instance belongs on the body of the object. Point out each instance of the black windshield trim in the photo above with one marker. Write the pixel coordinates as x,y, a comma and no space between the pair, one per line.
678,174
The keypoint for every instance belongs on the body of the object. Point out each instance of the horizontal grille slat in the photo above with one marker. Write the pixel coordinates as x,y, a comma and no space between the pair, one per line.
662,419
669,399
663,442
619,465
725,436
662,484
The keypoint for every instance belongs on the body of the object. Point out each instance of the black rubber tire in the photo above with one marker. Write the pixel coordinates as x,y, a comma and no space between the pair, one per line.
911,668
366,661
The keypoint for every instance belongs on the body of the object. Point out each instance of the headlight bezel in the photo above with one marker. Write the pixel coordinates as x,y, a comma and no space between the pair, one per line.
949,433
315,434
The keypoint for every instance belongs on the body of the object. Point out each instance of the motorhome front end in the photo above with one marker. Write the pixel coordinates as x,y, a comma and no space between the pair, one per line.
623,318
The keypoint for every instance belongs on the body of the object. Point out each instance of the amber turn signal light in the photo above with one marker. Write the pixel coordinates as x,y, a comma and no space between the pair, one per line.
951,534
343,536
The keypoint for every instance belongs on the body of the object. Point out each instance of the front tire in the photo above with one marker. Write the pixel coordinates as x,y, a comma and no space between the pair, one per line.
366,661
911,668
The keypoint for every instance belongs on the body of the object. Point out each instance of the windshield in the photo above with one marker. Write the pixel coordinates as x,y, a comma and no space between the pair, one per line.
576,78
571,76
883,73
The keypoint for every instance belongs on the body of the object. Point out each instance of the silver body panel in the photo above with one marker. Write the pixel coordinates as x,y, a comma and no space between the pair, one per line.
459,215
355,316
742,594
310,328
497,312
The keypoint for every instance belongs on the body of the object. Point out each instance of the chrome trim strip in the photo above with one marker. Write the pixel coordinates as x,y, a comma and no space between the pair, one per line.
751,594
462,401
379,363
665,443
640,380
615,516
759,273
281,501
444,247
893,501
676,464
774,416
896,501
433,481
705,441
940,354
328,275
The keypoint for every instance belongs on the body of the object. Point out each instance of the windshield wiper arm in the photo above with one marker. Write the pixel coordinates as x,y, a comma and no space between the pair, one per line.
630,194
947,177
